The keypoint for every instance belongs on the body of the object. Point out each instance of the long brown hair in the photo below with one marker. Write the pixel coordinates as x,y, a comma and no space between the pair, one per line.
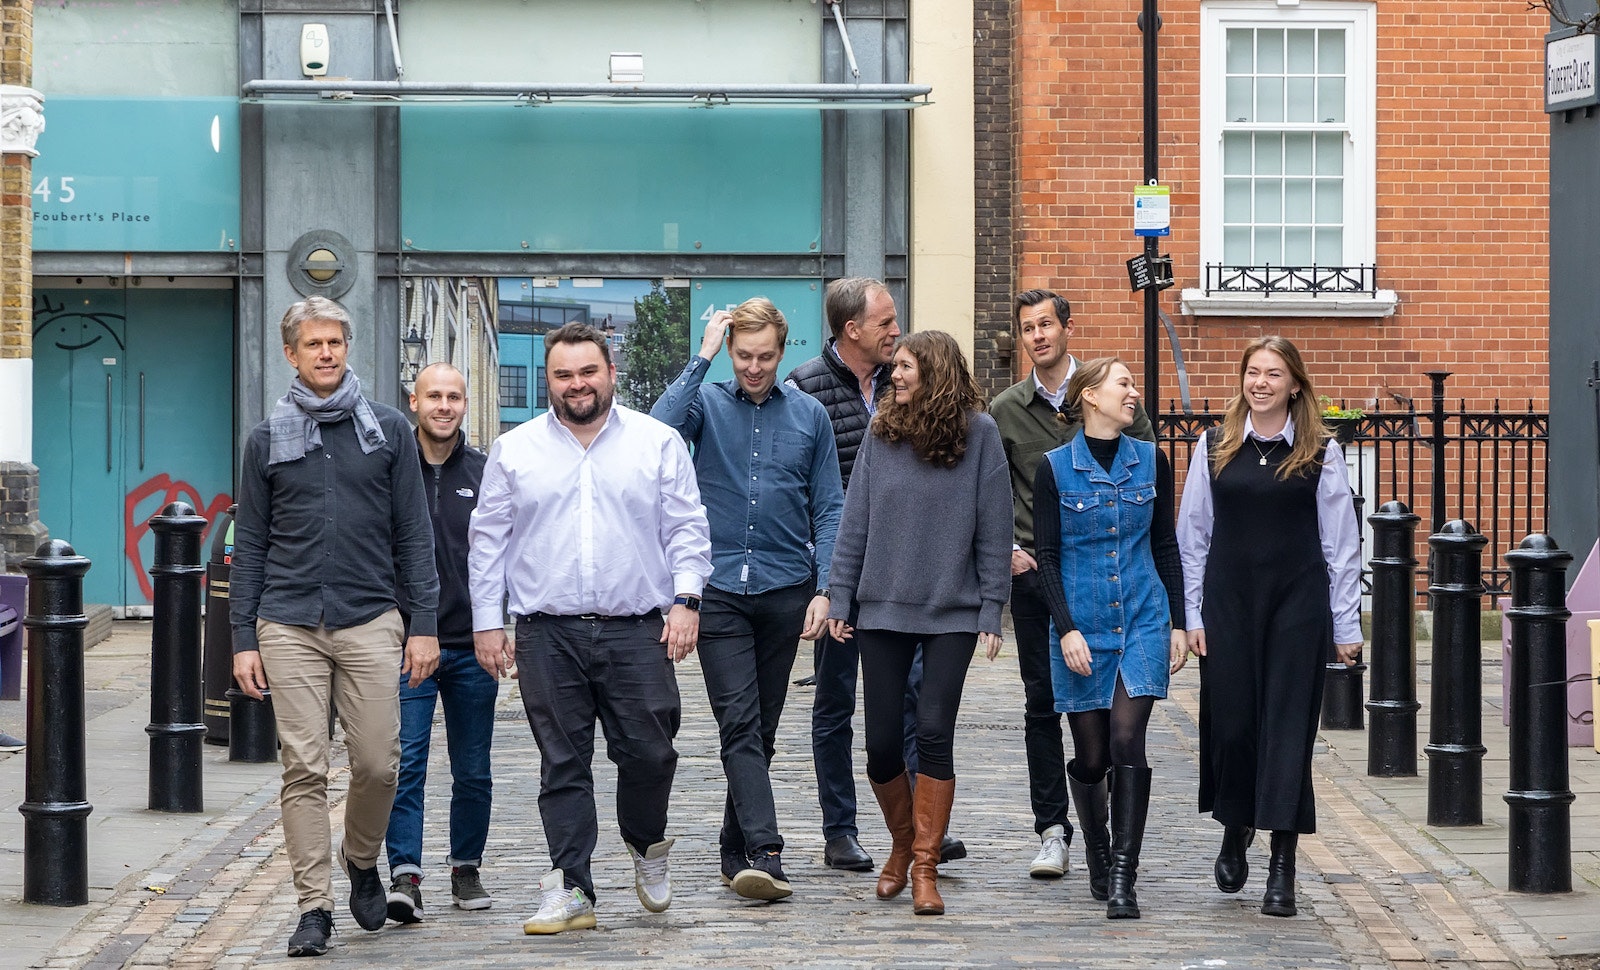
934,422
1310,434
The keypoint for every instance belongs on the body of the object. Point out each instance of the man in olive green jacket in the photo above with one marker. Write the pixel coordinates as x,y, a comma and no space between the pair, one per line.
1028,414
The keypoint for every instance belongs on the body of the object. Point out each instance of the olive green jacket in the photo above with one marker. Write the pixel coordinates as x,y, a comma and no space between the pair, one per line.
1029,428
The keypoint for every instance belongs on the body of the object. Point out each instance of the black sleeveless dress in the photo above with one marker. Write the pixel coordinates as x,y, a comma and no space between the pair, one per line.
1269,632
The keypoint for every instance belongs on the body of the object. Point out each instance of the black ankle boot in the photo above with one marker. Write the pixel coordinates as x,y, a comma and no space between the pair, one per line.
1279,897
1233,867
1130,804
1092,804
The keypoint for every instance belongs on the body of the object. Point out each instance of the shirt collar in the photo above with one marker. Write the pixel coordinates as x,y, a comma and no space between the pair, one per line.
1287,434
877,372
1057,396
739,393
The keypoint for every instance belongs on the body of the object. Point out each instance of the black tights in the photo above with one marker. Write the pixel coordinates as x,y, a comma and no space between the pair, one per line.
885,663
1103,738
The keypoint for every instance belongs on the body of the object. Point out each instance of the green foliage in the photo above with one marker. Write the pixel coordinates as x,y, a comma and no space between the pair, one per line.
656,347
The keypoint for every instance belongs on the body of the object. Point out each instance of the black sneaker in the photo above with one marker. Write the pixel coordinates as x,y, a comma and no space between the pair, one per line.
310,938
369,904
405,898
734,861
466,889
764,879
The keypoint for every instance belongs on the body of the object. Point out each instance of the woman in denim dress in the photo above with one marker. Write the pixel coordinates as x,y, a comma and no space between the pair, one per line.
1110,542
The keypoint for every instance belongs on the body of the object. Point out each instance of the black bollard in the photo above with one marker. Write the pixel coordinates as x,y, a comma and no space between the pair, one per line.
177,691
218,649
1342,690
1540,825
252,728
1392,741
1455,736
55,810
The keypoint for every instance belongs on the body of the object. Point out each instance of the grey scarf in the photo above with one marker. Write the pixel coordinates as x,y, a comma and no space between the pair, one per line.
298,416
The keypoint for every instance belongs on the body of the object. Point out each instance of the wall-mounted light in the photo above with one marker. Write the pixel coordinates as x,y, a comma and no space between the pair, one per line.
626,68
411,348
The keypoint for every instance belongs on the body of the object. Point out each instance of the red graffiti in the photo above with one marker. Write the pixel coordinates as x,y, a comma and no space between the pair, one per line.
134,529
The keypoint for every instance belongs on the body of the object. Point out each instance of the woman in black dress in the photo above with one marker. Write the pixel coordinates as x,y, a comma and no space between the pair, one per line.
1271,564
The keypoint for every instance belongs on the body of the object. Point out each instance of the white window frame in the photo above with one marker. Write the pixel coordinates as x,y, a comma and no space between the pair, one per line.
1358,18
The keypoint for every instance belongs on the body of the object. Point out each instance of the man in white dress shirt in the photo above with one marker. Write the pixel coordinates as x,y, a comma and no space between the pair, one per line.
589,525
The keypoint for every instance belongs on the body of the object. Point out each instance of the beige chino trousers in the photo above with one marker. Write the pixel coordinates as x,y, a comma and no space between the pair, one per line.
359,669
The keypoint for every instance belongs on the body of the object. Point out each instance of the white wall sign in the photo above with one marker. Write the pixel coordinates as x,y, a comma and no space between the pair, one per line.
1569,72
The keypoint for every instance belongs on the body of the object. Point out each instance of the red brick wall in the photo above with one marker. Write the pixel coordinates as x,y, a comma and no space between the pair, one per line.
1462,202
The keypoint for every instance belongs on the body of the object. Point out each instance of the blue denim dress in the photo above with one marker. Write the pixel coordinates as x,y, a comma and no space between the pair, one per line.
1109,575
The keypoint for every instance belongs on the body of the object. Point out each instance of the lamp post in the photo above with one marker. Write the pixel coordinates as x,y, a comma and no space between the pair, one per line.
1150,25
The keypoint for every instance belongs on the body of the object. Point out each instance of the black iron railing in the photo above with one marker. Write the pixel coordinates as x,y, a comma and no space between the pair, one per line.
1487,467
1268,279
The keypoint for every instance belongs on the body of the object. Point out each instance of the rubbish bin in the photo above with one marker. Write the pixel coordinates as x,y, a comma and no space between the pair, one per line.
217,664
13,604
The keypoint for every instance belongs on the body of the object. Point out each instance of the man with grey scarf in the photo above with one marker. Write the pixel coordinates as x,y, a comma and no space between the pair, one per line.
331,508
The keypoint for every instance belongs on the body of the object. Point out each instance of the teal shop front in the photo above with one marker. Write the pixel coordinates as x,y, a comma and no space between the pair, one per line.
133,376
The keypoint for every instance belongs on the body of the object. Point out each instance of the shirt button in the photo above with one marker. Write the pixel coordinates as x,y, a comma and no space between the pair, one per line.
752,501
752,478
1114,578
752,527
1116,629
1112,529
1116,603
1112,554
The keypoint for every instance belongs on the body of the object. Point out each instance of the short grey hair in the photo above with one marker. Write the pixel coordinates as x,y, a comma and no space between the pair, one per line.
313,308
846,300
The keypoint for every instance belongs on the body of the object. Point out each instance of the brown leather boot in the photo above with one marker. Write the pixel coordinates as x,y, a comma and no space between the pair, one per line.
930,806
894,800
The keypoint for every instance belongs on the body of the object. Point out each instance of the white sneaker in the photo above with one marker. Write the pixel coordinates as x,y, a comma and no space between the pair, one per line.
651,878
562,908
1051,862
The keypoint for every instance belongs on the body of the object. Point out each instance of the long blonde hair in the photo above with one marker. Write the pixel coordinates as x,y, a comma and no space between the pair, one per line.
1310,434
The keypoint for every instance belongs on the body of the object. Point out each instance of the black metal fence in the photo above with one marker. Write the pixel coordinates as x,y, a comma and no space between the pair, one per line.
1487,467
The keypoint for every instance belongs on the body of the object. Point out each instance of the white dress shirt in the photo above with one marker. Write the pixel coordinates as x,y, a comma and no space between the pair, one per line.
1336,526
616,528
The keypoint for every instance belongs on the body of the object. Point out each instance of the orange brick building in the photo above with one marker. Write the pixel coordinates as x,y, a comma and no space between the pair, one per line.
1408,137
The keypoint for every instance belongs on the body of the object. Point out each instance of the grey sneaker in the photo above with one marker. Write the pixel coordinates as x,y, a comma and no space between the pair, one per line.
11,745
652,877
310,938
405,899
560,909
466,889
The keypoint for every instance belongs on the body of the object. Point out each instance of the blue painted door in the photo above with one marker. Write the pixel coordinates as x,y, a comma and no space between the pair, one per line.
132,410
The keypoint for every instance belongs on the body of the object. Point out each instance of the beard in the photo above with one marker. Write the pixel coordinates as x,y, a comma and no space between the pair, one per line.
586,412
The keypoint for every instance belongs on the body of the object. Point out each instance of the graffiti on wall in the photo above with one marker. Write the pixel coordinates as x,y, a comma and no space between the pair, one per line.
135,526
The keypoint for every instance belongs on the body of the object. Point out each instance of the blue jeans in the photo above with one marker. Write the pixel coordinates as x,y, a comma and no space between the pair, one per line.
837,664
469,695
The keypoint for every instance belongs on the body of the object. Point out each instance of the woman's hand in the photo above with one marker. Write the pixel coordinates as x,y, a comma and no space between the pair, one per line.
1075,651
840,630
1349,653
1197,642
990,642
1180,651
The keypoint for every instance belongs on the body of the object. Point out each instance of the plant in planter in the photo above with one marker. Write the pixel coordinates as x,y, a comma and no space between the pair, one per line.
1342,421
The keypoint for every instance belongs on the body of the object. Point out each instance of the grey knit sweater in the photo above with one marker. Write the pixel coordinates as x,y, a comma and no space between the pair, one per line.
923,548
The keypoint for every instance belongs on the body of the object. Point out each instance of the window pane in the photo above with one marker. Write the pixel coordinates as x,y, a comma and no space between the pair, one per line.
1296,246
1236,246
1241,50
1269,99
1269,248
1269,51
1236,153
1302,52
1240,92
1330,202
1330,99
1330,51
1236,200
1330,247
1269,201
1301,97
1269,154
1297,201
1330,154
1297,153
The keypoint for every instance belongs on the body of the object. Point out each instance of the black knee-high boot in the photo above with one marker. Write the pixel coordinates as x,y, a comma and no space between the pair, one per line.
1130,804
1091,801
1233,867
1279,897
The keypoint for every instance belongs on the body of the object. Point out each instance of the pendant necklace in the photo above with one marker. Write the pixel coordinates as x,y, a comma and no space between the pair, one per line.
1270,449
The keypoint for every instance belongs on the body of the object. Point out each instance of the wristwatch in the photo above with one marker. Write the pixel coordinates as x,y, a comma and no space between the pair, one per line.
823,591
692,602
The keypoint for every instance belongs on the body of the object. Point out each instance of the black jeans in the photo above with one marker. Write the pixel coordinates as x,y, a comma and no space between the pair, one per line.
747,649
1041,723
886,659
574,671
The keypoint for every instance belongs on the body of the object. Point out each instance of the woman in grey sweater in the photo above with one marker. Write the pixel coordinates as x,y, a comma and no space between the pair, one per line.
923,558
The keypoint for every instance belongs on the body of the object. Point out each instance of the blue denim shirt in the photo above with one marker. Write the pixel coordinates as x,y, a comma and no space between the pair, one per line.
769,478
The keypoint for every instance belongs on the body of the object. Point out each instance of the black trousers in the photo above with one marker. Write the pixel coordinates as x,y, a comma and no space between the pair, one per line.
574,671
1041,724
886,659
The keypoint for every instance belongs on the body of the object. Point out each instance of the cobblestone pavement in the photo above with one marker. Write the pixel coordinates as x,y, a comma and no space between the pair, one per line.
1372,893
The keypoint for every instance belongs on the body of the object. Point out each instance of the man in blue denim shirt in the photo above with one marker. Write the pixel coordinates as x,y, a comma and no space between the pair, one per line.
769,477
